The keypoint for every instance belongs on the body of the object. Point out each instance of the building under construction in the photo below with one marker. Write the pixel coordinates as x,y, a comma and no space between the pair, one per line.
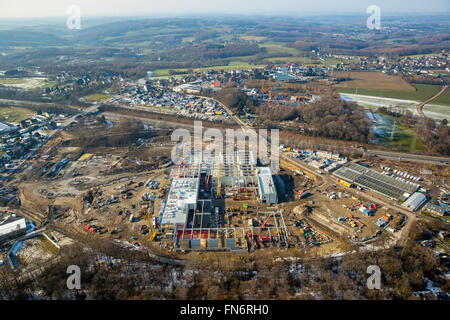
210,205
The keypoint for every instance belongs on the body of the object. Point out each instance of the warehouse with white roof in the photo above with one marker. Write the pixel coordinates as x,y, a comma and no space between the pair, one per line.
415,201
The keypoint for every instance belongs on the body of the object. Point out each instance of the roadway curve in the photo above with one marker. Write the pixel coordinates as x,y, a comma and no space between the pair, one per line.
420,106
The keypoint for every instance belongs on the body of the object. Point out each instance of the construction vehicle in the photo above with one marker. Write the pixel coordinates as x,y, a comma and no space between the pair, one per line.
240,198
265,222
357,221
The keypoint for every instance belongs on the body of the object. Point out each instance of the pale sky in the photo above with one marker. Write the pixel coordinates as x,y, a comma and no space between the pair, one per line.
58,8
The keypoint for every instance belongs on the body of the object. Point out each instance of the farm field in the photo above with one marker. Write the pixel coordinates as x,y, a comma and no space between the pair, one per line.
27,83
253,38
443,99
373,81
432,110
97,97
303,60
422,93
278,48
438,109
231,66
14,114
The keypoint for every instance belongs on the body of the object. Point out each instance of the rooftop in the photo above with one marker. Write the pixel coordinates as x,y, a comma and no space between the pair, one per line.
376,181
182,196
415,201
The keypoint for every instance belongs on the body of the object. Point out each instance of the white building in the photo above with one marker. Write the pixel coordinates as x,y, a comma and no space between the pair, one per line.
415,201
12,227
266,186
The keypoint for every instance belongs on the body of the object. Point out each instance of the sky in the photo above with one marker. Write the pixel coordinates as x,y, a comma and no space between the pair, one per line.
58,8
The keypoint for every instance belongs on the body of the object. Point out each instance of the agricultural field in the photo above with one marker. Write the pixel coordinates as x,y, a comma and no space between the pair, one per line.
443,99
14,114
97,97
373,81
422,92
278,48
302,60
253,38
233,65
27,83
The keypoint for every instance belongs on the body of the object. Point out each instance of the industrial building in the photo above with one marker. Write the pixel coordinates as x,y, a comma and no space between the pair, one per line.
377,181
415,201
267,191
11,227
7,128
441,211
195,207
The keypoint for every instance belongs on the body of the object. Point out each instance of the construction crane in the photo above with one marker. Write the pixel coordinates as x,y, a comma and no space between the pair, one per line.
265,222
275,89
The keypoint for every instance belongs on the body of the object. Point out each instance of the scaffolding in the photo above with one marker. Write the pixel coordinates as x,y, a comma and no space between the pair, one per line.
232,238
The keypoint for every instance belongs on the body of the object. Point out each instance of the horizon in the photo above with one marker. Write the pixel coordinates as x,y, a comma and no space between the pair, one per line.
24,9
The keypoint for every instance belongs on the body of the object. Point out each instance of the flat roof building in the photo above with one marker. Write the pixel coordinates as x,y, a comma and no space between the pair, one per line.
267,191
436,209
182,197
11,227
376,181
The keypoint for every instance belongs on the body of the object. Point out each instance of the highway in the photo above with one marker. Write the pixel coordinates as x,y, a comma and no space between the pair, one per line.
413,157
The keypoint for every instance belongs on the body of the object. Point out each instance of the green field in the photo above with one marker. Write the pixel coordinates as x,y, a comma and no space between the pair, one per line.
303,60
97,97
27,83
425,55
187,39
12,81
422,93
403,139
233,65
443,99
279,48
14,114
